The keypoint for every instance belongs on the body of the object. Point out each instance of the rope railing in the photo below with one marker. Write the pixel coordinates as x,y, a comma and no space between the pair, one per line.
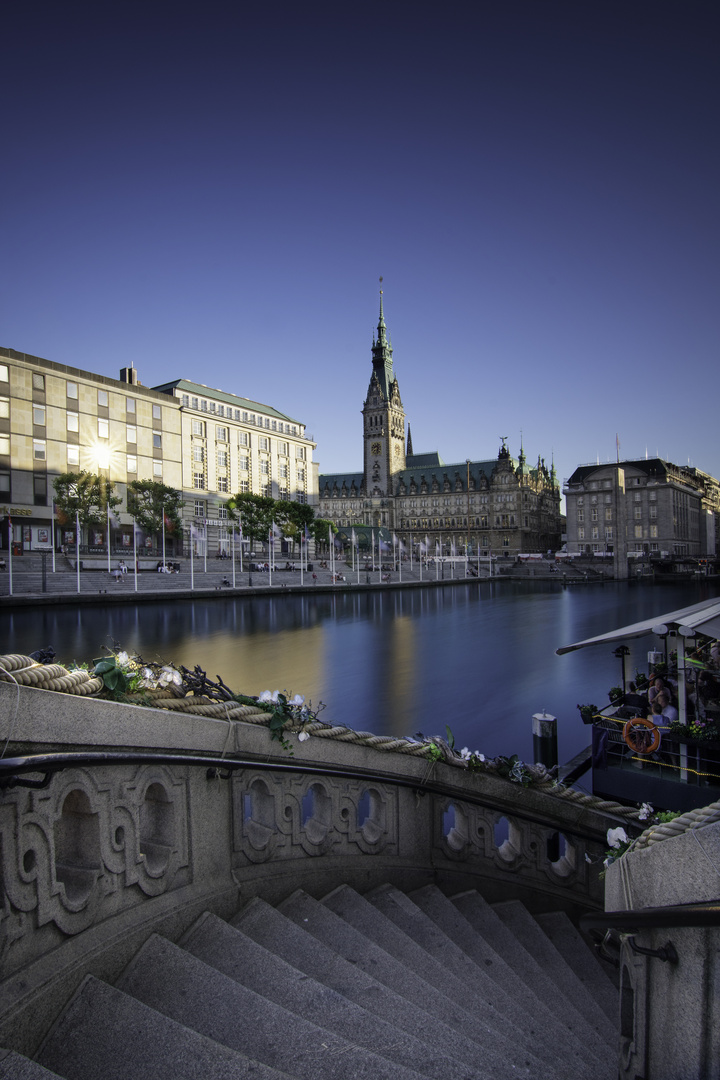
24,671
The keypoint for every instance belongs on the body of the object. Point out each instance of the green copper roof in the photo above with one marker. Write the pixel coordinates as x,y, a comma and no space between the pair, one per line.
198,390
382,356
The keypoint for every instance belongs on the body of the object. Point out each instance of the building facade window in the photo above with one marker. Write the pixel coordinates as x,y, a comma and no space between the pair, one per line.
198,480
72,421
131,463
102,398
130,405
38,381
157,470
157,412
103,429
39,415
131,433
73,455
39,450
157,440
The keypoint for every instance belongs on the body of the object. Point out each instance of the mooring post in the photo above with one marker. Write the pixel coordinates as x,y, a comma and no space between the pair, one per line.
545,746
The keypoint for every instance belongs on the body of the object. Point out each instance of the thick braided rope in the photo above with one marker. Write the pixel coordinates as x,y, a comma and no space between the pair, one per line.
27,672
693,819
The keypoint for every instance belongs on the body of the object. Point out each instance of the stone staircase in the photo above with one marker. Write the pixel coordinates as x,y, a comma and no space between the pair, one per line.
386,985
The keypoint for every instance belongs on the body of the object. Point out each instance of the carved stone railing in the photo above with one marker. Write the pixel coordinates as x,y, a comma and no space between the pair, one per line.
187,814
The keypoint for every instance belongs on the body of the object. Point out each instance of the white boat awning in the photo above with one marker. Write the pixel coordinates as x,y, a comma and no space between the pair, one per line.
703,618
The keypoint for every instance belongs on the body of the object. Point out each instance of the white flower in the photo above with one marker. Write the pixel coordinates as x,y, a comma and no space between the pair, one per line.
297,700
169,675
616,837
465,754
480,757
147,674
303,736
268,697
123,659
646,811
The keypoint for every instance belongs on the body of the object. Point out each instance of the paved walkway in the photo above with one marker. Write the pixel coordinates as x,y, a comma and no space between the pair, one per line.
62,586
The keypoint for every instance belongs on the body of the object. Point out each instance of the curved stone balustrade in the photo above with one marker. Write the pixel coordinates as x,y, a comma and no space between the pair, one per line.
100,858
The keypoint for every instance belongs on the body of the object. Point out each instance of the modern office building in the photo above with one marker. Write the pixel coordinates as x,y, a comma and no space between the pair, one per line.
230,445
499,505
206,443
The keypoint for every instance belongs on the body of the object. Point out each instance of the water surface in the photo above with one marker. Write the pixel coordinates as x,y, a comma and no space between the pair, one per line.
479,657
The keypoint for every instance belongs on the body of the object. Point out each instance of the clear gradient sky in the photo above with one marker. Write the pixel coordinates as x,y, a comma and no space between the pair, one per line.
211,191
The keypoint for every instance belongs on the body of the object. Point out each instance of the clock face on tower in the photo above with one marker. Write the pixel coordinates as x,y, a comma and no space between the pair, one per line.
375,448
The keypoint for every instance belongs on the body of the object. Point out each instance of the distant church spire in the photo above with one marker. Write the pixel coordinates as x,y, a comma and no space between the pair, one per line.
409,443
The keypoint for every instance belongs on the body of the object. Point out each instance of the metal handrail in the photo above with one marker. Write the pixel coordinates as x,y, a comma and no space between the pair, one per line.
674,915
11,768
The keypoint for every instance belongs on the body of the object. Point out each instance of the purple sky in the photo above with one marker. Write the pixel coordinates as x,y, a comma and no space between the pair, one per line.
212,191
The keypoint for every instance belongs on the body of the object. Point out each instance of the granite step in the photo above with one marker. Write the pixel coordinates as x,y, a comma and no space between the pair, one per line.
15,1066
546,1026
378,987
237,956
267,926
594,976
169,979
529,934
507,1057
104,1033
393,922
596,1031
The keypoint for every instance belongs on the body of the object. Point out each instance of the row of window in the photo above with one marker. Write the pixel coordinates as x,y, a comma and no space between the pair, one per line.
240,415
595,532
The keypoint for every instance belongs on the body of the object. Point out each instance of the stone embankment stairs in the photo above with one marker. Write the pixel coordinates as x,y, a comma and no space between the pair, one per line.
387,985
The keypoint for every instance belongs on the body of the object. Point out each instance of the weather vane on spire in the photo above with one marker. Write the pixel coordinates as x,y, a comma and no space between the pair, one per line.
381,284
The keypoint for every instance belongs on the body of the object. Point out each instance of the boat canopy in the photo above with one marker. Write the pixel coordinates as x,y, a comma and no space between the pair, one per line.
703,617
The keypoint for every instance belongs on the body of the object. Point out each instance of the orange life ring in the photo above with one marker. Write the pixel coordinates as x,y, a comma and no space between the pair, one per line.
641,735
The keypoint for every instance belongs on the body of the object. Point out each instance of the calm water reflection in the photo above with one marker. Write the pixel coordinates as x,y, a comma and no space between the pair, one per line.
479,657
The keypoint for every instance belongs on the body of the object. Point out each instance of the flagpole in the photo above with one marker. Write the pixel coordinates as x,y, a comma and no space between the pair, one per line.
10,543
52,531
379,560
357,558
163,527
205,544
411,553
437,561
77,548
108,535
241,565
232,549
135,550
303,541
400,555
270,561
192,558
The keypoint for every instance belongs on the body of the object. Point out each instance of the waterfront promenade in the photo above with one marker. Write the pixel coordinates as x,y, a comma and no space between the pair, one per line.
31,584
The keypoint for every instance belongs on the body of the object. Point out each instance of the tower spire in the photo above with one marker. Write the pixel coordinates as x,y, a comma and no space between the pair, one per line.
409,443
381,329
